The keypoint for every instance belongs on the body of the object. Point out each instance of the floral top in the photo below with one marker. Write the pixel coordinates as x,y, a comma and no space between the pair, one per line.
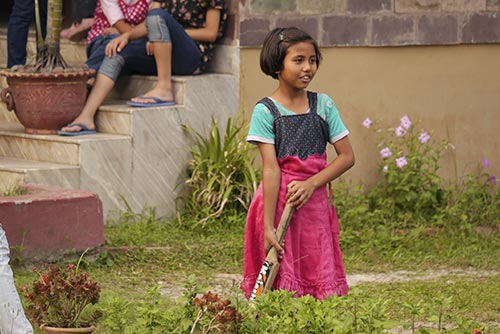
192,14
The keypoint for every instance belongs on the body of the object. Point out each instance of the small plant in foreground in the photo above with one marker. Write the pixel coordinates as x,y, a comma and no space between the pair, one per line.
221,174
410,161
59,297
215,315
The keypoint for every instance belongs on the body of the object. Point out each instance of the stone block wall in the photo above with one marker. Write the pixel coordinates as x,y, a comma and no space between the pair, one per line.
374,23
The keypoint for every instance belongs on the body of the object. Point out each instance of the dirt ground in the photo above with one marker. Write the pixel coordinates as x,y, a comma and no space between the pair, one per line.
228,283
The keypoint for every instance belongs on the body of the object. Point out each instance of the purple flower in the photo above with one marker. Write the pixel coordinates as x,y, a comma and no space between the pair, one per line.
401,162
385,169
424,137
493,179
385,152
405,122
367,123
486,163
400,131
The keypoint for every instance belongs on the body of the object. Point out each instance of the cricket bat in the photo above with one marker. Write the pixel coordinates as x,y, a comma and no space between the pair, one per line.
271,265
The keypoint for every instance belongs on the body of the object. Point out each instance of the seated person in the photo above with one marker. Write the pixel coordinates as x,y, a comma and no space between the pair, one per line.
111,18
182,37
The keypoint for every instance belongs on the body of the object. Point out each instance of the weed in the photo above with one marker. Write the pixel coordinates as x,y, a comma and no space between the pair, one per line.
16,190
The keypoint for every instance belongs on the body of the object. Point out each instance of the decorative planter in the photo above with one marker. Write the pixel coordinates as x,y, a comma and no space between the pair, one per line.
57,330
45,102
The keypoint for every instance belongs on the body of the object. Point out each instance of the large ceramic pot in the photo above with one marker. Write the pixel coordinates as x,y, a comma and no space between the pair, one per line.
57,330
45,102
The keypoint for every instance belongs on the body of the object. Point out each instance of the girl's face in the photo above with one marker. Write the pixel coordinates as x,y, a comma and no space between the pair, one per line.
299,66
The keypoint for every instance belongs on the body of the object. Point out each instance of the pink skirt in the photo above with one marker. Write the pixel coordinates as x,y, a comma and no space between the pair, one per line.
312,262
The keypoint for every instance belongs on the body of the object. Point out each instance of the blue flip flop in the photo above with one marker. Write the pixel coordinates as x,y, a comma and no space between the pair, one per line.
157,102
83,130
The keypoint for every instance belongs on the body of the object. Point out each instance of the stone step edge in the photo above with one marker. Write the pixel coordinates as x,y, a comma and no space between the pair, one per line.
15,165
17,130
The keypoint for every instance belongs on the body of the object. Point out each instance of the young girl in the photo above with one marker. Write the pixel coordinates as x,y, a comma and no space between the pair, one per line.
112,18
291,129
181,36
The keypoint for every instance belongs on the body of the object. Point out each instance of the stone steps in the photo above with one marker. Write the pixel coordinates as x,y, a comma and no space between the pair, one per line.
139,154
15,143
14,172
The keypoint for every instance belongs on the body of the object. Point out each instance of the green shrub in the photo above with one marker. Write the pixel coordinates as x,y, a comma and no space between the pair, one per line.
221,174
474,200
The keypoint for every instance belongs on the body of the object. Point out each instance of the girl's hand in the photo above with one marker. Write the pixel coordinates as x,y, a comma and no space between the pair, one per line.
116,45
299,193
270,240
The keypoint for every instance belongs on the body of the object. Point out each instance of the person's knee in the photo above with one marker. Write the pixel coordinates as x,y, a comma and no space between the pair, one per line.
112,66
157,27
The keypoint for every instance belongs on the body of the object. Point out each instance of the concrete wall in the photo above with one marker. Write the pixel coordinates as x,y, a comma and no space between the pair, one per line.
375,22
437,61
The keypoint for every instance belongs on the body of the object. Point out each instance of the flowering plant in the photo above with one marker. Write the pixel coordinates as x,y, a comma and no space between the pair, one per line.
215,314
409,162
59,297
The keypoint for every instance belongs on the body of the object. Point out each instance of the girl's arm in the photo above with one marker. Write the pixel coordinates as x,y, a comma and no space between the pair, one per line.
117,44
210,31
122,26
299,192
115,17
271,185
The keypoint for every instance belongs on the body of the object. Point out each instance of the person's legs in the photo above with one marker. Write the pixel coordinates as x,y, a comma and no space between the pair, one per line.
105,81
23,13
174,52
12,318
102,86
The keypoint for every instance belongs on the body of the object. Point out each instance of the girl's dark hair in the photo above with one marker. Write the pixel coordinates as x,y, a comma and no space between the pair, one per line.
277,43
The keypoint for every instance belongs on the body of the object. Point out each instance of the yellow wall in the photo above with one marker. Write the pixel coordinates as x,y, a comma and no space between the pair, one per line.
454,91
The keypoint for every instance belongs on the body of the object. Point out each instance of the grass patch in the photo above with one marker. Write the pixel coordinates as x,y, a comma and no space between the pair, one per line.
144,253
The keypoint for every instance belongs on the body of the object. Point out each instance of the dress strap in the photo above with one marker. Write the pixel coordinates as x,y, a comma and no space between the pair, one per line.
311,96
271,106
313,101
